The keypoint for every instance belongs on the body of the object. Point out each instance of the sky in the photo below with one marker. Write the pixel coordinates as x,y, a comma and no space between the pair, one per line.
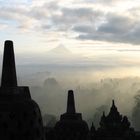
100,31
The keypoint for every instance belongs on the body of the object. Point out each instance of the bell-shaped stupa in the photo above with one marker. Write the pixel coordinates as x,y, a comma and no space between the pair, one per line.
71,125
20,116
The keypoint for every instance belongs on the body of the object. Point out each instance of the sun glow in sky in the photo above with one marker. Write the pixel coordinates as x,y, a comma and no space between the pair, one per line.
101,31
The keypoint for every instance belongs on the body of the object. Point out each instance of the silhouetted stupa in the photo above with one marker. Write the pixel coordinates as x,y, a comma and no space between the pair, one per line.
20,117
71,126
114,126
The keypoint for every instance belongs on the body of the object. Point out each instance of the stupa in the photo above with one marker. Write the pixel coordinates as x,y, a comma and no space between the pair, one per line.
20,116
71,125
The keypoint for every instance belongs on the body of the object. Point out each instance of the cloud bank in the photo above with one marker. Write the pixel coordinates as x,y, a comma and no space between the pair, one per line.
102,20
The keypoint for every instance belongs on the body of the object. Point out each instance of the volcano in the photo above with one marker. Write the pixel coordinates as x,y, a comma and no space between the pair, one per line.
60,50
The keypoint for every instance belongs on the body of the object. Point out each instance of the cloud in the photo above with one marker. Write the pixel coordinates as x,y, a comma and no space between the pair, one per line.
88,22
50,14
115,28
116,24
84,29
72,16
15,17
